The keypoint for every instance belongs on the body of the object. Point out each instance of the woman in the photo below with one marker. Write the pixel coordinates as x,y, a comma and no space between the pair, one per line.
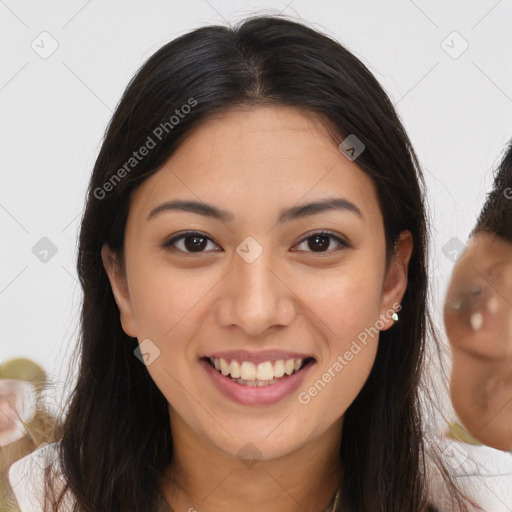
254,222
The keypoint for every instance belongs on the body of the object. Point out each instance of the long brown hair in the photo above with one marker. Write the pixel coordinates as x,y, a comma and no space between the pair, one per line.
117,440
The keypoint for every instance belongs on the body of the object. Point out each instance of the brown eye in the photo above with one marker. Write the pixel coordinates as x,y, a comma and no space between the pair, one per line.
193,242
321,241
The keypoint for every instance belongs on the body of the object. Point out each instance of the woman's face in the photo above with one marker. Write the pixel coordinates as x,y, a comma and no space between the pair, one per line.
256,279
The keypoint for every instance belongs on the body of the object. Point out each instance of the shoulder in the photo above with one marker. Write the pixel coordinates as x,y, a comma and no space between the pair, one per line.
26,477
482,473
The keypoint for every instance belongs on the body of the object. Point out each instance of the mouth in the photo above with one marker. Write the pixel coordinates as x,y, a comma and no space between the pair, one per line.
257,384
264,374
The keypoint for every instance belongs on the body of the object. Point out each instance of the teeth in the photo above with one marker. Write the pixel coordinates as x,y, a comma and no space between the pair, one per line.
260,374
258,383
224,368
234,369
265,371
247,370
278,368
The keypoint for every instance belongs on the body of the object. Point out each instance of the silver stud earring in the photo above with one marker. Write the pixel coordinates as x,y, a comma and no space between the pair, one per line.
394,316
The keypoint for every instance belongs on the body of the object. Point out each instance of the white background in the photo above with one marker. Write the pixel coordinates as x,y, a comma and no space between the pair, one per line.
457,111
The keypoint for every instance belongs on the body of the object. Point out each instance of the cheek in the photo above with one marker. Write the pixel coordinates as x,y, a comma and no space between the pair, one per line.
346,302
345,309
165,300
166,308
165,305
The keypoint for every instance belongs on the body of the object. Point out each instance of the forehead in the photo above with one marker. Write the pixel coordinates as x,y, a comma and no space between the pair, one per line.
259,158
487,256
487,248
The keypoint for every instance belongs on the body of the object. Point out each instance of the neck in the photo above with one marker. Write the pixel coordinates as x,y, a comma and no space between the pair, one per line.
205,478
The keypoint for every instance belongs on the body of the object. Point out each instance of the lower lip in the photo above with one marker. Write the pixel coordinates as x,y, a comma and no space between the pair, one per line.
254,395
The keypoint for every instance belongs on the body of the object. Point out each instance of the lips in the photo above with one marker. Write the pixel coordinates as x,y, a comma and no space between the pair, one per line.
255,392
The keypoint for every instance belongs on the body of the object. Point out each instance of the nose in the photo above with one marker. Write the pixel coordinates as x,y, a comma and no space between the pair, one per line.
255,297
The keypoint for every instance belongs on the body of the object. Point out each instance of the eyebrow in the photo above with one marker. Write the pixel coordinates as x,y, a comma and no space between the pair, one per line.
286,215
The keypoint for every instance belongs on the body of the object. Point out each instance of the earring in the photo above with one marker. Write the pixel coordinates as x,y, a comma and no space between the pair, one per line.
394,316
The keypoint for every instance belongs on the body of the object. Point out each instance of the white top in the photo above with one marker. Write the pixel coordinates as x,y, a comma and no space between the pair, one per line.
26,477
484,473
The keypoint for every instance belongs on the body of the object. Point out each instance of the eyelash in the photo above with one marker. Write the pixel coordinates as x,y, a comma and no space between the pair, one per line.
170,244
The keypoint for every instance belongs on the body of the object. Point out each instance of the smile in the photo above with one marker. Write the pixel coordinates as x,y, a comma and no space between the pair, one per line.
266,383
262,374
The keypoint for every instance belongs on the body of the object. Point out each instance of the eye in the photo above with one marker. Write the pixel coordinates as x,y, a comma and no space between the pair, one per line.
321,240
470,297
193,242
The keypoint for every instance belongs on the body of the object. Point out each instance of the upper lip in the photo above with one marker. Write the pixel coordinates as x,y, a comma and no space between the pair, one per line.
258,357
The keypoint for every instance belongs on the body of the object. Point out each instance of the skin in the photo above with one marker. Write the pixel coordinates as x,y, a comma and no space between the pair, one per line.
254,164
14,395
481,379
7,414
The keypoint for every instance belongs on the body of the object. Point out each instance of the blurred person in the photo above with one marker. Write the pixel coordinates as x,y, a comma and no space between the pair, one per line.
478,321
25,423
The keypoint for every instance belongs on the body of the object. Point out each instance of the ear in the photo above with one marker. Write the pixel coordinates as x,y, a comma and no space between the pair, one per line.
119,285
395,282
